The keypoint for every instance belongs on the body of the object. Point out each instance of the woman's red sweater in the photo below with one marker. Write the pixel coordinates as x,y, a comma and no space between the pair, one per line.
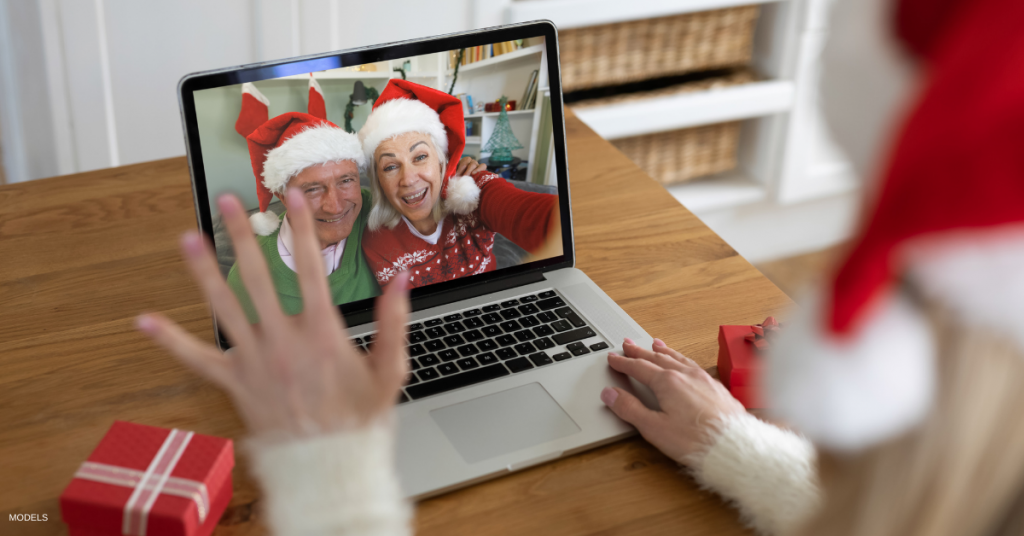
466,245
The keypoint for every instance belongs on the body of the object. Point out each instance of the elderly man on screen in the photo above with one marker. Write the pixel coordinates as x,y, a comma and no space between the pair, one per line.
298,150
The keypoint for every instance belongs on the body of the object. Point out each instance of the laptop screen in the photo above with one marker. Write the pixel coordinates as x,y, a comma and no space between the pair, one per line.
441,165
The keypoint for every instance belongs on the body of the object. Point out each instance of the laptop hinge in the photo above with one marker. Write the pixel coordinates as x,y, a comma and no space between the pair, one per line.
452,296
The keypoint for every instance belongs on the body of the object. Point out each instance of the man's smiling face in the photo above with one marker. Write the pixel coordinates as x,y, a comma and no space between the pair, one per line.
335,197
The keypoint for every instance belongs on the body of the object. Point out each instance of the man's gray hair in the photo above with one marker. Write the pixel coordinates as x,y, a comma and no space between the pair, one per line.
382,214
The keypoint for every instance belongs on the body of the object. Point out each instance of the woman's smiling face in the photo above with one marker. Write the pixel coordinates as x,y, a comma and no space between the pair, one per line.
409,170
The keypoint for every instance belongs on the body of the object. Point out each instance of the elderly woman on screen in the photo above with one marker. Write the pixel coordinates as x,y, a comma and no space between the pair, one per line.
426,216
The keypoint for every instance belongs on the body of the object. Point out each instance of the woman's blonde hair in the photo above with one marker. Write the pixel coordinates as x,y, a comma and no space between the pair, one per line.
382,214
959,473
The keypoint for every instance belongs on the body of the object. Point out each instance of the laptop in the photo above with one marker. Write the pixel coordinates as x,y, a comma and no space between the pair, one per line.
507,364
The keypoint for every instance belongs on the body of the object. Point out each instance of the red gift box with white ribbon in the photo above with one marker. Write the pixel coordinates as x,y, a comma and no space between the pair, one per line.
144,480
739,359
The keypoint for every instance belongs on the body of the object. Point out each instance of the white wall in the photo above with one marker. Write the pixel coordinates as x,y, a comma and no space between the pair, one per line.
89,84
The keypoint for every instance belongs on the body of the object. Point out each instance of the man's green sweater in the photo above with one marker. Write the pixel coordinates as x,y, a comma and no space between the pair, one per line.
351,281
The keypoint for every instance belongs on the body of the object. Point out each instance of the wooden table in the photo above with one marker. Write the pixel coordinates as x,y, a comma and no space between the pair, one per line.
82,254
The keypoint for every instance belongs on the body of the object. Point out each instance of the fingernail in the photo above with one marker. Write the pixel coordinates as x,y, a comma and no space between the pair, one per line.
225,205
403,280
293,196
608,396
192,243
659,342
614,354
629,341
145,324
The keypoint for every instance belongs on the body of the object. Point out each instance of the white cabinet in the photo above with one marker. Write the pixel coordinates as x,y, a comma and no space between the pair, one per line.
91,84
792,191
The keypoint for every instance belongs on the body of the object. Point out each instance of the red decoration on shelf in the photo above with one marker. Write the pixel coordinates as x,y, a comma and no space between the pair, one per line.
147,480
739,359
510,106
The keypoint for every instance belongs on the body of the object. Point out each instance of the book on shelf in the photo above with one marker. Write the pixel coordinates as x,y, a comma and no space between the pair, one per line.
530,93
467,103
483,52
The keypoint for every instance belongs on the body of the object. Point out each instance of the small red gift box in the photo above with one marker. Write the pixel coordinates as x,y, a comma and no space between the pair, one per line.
739,362
144,480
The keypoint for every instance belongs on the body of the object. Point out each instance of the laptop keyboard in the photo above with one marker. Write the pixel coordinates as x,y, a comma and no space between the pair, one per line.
491,341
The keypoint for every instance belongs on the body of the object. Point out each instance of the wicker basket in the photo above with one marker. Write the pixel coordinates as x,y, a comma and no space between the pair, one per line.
626,52
682,155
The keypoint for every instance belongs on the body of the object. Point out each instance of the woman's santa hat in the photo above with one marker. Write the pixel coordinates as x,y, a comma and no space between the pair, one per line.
949,217
287,144
407,107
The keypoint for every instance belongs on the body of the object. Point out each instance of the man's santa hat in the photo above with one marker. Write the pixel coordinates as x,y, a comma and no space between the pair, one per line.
407,107
287,144
861,367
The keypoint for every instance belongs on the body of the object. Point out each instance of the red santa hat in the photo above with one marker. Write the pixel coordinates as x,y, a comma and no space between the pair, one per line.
316,106
404,107
859,367
255,110
287,144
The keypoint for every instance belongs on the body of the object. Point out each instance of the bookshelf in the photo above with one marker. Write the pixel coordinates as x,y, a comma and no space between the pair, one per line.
687,110
577,13
527,52
789,171
487,80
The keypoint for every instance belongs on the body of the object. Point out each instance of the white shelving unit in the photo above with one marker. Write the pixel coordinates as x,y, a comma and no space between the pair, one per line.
687,110
526,52
578,13
487,80
776,179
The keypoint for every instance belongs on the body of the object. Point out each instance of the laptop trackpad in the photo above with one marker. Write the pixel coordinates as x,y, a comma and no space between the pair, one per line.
504,422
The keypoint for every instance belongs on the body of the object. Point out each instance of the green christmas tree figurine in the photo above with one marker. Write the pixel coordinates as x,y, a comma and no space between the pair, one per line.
502,140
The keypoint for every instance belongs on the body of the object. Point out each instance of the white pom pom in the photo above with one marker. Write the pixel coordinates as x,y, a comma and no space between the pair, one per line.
463,195
849,393
264,223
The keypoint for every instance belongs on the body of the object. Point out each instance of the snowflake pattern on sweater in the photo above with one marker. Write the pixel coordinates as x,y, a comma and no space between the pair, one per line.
467,249
466,246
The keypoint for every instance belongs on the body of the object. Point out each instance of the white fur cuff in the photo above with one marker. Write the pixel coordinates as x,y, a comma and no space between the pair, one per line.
769,473
343,483
463,195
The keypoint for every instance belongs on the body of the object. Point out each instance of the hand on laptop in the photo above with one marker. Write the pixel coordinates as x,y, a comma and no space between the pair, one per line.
298,375
690,399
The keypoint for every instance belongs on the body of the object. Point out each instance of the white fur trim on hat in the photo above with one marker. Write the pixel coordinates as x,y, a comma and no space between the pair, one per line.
316,145
264,223
853,392
398,116
978,274
463,195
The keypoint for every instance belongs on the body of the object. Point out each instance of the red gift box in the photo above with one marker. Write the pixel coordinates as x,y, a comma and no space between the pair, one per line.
739,360
150,481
